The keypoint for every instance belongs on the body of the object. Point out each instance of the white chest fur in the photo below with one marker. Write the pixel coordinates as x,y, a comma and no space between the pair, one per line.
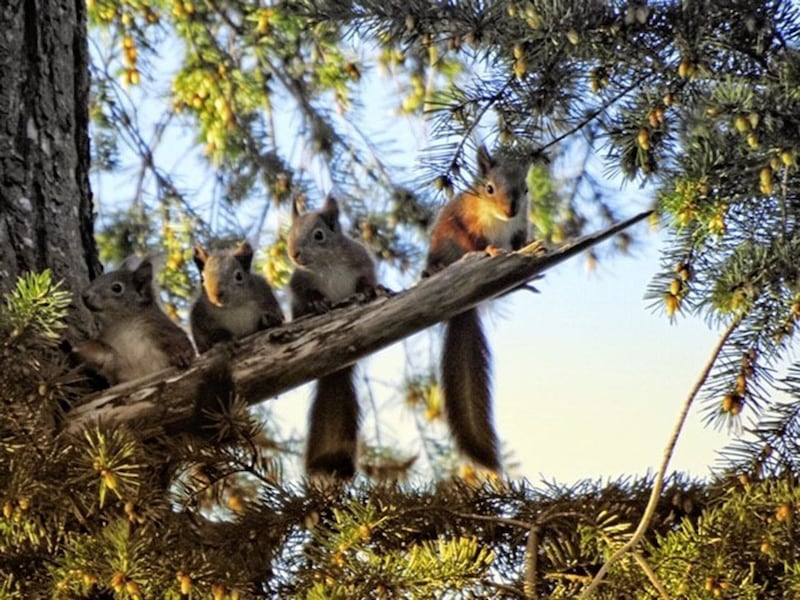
489,220
499,230
338,283
137,354
239,320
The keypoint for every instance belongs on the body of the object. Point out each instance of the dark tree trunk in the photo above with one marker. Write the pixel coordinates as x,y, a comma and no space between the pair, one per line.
46,216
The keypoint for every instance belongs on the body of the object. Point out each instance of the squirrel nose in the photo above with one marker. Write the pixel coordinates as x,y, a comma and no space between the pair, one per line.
87,300
214,294
512,207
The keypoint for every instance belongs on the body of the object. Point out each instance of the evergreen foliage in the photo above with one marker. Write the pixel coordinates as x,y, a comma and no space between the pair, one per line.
697,100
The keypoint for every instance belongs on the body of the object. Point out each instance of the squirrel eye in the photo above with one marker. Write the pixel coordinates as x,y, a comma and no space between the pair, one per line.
319,235
238,276
489,188
117,287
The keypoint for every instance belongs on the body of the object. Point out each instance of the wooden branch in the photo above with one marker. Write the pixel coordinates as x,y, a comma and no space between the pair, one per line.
271,362
661,476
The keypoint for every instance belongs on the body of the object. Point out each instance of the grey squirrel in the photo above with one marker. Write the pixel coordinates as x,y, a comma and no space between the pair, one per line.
330,267
234,302
136,337
491,216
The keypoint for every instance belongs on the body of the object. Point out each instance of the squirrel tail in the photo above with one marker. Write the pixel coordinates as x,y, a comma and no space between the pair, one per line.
466,379
333,426
215,394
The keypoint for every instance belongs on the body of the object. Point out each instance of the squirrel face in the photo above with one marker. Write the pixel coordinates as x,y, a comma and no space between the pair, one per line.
315,238
122,291
224,274
500,189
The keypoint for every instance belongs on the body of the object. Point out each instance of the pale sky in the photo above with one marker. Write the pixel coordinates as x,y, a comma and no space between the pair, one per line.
588,382
607,377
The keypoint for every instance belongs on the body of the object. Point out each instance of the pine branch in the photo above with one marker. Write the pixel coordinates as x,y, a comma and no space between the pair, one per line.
270,363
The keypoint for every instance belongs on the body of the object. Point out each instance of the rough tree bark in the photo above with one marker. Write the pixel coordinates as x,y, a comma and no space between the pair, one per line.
46,216
269,363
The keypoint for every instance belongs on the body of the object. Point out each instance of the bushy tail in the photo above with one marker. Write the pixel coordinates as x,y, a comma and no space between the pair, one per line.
215,394
333,426
466,382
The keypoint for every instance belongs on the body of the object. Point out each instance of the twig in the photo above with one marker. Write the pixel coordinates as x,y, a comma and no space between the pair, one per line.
658,484
531,563
651,575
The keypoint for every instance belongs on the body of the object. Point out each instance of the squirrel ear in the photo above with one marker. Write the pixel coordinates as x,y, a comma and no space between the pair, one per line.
485,161
200,257
330,205
298,206
330,212
130,263
244,254
143,278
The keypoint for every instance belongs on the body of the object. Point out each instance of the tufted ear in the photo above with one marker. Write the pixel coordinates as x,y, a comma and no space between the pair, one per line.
200,257
244,254
131,263
485,161
143,278
298,206
331,205
330,212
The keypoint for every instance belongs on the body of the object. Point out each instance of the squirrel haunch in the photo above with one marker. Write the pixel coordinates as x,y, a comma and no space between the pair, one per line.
136,337
490,216
330,267
234,302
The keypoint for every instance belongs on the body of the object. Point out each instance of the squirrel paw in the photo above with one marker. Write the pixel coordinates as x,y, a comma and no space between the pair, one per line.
270,320
227,348
320,305
534,248
381,291
95,354
183,359
495,250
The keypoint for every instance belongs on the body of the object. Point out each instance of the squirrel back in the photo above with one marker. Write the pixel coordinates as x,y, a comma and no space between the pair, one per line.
136,337
330,267
491,216
234,302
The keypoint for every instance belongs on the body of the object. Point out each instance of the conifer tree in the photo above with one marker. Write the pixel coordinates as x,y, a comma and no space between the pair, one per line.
696,100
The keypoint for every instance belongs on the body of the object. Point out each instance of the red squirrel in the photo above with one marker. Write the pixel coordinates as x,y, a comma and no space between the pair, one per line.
233,302
491,216
330,267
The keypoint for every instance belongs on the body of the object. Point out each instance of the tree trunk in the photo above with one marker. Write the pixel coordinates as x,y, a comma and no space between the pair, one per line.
46,216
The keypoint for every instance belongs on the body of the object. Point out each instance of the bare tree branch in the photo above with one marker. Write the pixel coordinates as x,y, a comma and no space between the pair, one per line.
658,484
271,362
531,574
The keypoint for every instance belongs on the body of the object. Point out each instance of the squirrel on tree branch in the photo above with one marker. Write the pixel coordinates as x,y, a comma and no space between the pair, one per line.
330,267
491,216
